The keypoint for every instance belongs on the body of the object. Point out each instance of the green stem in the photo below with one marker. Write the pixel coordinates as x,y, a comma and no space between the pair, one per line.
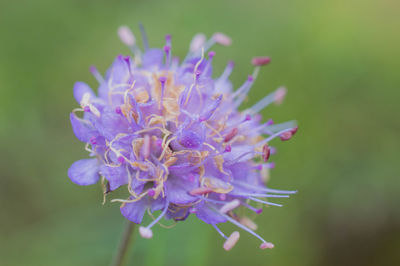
125,242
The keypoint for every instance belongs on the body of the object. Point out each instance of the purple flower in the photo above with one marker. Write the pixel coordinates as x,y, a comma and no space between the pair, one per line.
172,136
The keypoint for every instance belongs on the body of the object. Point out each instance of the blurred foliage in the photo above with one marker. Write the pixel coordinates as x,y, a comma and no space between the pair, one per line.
340,62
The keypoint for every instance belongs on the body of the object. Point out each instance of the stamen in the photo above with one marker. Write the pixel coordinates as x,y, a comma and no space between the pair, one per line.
118,110
145,232
256,210
146,146
197,42
260,61
91,108
200,191
266,152
231,134
121,159
218,38
168,39
231,241
248,222
222,39
214,201
241,226
244,89
175,63
278,127
167,50
279,95
126,36
192,178
93,140
264,102
265,202
151,192
288,134
160,216
211,109
241,157
196,72
211,55
162,81
258,167
256,71
274,136
144,37
266,245
209,62
189,139
270,165
219,231
261,195
227,72
96,74
267,190
230,206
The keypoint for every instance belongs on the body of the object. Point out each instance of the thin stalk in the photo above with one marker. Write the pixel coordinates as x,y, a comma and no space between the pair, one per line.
126,241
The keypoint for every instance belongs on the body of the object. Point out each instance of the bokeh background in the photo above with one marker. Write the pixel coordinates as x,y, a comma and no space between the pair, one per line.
340,62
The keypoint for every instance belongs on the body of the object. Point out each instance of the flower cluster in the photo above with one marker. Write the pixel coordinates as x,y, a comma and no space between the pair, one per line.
173,137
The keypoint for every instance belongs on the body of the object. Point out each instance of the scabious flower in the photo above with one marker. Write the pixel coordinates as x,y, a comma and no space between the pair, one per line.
173,137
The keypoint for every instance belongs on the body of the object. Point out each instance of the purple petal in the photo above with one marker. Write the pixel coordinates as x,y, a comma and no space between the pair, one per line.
181,169
190,139
178,215
191,63
134,211
153,58
80,88
158,204
84,172
207,113
119,71
177,190
239,153
223,86
103,91
82,131
116,176
207,215
110,124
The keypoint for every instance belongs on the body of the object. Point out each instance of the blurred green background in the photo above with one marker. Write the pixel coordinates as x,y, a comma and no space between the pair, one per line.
340,62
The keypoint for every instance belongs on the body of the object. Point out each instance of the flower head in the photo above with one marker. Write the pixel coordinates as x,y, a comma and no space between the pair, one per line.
172,136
